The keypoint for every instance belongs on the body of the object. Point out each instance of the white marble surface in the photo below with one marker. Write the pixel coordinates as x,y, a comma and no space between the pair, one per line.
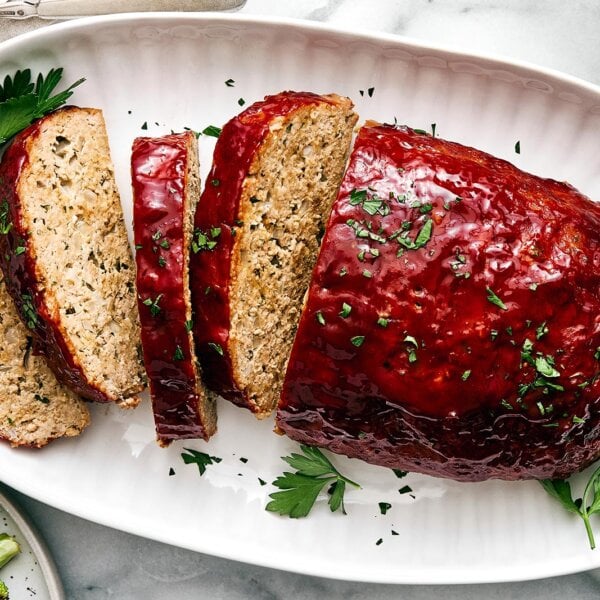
97,562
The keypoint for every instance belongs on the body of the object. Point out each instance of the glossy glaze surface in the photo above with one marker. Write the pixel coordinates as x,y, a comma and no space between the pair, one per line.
19,268
219,207
159,175
453,322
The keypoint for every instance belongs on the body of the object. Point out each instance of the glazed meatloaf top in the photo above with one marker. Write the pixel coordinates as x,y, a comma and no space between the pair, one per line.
166,188
453,321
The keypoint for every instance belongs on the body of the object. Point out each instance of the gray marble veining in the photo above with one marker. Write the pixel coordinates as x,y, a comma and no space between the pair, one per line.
99,563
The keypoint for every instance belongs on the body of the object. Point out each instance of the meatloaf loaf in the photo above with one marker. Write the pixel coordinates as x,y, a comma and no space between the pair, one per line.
166,188
452,326
34,407
258,225
66,258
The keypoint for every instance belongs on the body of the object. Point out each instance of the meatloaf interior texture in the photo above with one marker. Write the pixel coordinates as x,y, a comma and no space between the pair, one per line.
452,323
73,280
34,407
294,151
166,189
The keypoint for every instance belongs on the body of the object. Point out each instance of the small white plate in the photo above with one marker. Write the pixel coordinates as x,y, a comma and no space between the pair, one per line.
32,573
169,71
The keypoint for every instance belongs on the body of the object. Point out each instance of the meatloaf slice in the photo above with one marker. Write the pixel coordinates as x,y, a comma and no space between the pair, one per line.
276,169
166,188
34,407
452,326
66,258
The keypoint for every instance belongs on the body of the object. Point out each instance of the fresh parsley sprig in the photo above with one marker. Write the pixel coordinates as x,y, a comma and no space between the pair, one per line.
22,101
585,506
299,490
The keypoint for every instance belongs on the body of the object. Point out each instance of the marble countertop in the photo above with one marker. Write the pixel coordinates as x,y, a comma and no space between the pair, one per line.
97,562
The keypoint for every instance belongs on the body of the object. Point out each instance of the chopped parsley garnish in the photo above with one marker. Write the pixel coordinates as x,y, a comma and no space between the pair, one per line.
372,205
357,340
144,126
370,92
399,473
544,366
205,241
533,287
212,131
162,262
189,325
366,273
494,299
5,223
585,506
178,355
545,371
20,249
153,305
42,399
29,311
384,507
433,127
216,347
22,101
320,318
230,83
466,374
405,490
382,322
518,147
346,310
241,101
201,459
421,238
541,331
171,472
412,354
578,420
299,490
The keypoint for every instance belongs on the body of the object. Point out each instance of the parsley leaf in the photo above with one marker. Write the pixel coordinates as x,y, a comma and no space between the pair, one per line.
300,490
194,457
588,505
420,240
22,101
494,299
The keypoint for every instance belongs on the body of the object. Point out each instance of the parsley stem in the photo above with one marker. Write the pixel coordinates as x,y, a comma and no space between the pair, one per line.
349,481
588,528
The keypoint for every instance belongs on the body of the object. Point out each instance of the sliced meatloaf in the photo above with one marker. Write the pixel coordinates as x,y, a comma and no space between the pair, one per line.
34,407
258,225
66,258
166,189
452,326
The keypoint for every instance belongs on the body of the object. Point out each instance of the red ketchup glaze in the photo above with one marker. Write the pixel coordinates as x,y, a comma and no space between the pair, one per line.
19,269
158,168
470,348
219,207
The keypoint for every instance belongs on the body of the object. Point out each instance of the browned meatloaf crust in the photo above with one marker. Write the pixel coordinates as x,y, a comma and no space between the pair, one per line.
65,255
452,324
275,173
